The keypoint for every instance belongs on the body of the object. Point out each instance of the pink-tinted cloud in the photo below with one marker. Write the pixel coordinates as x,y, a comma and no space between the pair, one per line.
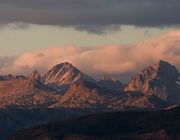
111,59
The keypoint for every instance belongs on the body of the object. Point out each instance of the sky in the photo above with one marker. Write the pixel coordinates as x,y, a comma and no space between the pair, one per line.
16,41
38,34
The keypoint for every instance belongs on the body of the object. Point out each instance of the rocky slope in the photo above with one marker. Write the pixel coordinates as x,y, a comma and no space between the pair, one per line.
87,95
64,87
161,80
62,75
35,75
110,83
26,93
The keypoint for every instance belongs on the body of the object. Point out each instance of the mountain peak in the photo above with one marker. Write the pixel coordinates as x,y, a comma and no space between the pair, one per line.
163,65
163,62
107,78
67,64
159,79
109,83
64,73
161,69
165,69
35,75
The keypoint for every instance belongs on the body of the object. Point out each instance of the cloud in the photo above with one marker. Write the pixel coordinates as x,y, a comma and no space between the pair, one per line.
91,15
111,59
98,29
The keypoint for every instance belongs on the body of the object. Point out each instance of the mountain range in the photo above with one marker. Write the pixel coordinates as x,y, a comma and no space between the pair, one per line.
65,88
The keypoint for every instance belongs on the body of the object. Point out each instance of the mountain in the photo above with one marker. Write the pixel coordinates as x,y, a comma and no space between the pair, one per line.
161,125
26,93
35,75
161,80
88,95
70,92
110,83
11,77
64,86
82,95
63,75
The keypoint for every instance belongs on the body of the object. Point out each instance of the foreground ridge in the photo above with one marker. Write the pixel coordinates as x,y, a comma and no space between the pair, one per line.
162,125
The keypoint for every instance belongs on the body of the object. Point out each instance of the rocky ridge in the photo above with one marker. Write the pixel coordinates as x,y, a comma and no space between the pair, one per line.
65,86
160,79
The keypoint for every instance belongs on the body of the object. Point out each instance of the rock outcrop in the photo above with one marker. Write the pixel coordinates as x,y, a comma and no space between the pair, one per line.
161,80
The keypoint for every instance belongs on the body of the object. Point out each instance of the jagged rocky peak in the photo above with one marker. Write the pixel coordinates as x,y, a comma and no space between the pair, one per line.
110,83
35,75
108,78
166,70
64,73
159,79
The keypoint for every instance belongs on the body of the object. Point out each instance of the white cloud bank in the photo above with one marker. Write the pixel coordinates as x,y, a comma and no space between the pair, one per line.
111,59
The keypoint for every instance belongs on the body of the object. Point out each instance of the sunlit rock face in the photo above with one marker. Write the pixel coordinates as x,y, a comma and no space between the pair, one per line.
154,88
63,74
64,86
160,79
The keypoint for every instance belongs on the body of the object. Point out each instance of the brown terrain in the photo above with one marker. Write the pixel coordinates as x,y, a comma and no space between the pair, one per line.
68,92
